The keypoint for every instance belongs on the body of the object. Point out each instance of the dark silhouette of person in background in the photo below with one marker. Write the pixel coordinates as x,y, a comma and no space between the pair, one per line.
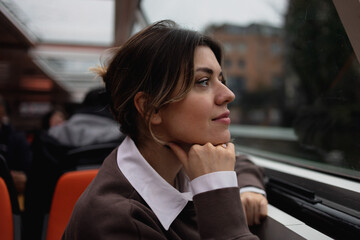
15,149
56,116
91,124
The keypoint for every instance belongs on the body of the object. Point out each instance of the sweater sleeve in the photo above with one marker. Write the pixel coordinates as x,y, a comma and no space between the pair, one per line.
220,215
129,221
248,174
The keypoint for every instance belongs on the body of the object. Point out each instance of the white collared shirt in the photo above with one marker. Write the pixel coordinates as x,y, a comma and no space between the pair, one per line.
165,201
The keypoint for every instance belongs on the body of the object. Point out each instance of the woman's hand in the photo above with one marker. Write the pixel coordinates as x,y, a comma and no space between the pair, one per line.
255,207
204,159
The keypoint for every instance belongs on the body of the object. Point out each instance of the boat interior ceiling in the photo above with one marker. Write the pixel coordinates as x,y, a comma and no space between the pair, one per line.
36,72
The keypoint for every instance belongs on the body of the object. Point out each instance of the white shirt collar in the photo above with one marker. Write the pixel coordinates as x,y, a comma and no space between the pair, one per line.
164,200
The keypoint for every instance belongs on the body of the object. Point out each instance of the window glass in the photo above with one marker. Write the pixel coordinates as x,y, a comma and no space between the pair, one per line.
66,21
241,63
297,84
289,62
241,47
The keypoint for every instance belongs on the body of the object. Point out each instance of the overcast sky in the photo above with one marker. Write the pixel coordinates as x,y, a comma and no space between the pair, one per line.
92,20
197,14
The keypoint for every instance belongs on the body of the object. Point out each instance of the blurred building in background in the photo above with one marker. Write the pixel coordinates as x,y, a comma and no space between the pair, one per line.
254,68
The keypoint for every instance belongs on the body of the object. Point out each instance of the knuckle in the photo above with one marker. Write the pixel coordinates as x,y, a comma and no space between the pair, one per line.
195,147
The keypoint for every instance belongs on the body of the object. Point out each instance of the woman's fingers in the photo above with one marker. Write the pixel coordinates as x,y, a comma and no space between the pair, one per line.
207,158
255,207
263,207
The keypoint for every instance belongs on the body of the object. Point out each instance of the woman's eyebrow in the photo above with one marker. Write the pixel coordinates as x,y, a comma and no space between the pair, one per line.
205,69
208,70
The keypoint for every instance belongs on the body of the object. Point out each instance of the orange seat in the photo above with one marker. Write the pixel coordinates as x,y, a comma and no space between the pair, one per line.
68,189
6,215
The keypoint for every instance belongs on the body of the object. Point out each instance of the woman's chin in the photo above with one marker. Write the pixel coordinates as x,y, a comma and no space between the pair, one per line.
219,141
216,140
225,138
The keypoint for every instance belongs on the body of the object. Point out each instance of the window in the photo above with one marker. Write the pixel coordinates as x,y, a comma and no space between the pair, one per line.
276,48
241,47
237,85
241,63
227,47
227,63
322,69
277,82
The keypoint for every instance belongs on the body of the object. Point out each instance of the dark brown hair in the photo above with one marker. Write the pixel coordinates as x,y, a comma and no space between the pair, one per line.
152,62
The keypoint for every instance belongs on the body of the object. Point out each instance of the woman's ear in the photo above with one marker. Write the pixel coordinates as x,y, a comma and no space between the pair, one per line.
139,101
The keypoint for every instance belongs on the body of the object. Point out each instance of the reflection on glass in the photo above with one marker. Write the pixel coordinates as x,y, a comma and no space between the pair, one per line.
328,107
304,77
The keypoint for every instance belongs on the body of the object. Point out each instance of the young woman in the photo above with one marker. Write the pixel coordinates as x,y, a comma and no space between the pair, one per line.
173,177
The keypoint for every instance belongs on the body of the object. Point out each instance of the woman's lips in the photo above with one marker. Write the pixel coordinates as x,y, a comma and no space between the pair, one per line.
223,118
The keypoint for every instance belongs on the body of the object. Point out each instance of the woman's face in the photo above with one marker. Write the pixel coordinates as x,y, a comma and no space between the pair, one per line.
202,116
56,119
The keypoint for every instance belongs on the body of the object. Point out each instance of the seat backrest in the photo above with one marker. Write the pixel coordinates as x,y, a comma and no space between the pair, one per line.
90,156
6,176
68,189
50,160
6,217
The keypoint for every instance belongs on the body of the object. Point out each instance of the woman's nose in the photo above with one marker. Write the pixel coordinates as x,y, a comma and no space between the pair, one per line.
224,95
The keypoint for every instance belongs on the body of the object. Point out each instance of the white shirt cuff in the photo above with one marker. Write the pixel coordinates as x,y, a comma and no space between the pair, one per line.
212,181
252,189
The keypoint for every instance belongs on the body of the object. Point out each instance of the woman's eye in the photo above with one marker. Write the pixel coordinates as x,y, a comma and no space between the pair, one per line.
203,82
